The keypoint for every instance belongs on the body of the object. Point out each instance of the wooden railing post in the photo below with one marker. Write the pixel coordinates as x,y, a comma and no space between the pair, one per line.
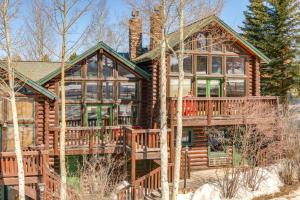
209,111
45,168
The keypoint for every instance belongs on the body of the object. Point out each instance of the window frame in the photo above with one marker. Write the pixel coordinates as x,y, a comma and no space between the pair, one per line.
207,64
237,78
20,125
21,119
245,65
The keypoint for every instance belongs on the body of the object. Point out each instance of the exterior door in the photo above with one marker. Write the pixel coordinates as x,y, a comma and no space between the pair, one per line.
99,115
209,88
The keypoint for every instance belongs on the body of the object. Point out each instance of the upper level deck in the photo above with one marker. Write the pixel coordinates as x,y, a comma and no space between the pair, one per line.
224,110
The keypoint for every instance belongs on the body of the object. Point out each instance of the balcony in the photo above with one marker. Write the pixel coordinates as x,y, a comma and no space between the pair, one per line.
224,110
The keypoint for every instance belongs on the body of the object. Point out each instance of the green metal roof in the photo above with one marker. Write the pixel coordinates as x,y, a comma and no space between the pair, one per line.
193,28
29,82
100,45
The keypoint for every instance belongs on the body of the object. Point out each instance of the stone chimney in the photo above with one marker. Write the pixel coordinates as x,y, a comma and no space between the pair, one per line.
135,35
155,28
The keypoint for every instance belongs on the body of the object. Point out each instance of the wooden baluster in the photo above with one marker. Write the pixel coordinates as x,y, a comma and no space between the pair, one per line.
209,112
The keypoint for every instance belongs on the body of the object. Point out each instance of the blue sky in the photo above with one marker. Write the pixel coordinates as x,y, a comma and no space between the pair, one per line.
232,12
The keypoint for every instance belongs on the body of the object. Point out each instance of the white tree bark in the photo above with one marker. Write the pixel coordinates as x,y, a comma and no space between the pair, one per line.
62,155
163,111
11,79
177,161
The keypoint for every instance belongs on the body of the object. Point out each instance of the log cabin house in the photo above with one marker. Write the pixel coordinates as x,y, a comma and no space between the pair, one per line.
112,106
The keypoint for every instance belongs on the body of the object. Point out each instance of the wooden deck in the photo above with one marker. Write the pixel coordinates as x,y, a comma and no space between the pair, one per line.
224,110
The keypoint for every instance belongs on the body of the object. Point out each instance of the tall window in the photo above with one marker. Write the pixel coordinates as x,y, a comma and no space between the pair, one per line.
201,88
216,66
92,67
201,42
128,90
127,114
73,90
107,68
173,63
92,91
235,65
202,64
187,64
107,90
236,87
124,73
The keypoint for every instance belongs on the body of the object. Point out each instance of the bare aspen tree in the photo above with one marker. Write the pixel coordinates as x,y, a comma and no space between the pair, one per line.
163,108
65,14
7,12
177,161
40,40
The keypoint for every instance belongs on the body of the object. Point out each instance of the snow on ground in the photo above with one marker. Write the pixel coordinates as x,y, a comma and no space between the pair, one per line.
271,183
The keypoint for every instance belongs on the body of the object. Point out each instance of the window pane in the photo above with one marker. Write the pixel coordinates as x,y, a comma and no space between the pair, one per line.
92,112
201,42
127,114
217,47
92,91
73,115
25,109
26,136
173,63
107,68
202,64
107,90
188,44
92,67
106,113
187,64
201,88
187,85
216,65
231,48
128,91
73,90
74,72
186,136
214,88
124,73
235,65
235,88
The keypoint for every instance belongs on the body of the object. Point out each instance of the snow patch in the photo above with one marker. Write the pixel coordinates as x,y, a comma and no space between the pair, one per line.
270,183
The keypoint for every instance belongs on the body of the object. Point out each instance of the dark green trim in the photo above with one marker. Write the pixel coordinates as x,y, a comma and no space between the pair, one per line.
100,45
99,113
208,79
194,27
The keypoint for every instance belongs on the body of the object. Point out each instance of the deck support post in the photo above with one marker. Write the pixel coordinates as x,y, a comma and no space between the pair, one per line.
133,163
42,187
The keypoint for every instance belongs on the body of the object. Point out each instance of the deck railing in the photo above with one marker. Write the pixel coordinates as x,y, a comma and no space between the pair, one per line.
224,106
89,137
32,161
141,139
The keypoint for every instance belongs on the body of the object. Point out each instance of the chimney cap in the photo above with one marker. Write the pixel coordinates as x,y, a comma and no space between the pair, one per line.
135,13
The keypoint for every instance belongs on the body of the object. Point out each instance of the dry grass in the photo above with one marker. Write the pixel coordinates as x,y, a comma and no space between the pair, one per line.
284,190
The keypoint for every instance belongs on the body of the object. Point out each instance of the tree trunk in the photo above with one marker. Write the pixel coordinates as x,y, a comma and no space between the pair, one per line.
63,172
163,112
18,150
177,162
11,78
